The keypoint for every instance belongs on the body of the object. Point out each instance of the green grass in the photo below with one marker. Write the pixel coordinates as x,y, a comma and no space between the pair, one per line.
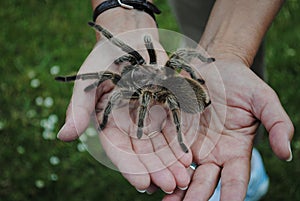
39,37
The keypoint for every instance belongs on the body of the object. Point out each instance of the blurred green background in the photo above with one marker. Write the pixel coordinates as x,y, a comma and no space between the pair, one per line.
40,38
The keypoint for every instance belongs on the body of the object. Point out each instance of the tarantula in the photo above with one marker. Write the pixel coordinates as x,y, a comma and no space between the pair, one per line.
150,83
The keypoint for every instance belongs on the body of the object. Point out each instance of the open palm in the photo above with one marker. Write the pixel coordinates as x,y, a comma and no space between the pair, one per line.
141,161
223,149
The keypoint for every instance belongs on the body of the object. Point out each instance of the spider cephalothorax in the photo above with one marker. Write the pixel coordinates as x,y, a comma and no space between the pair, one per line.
150,83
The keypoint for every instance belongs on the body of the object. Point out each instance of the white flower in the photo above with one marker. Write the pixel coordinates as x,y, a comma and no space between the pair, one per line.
54,70
53,177
20,150
39,183
54,160
48,102
39,101
35,83
81,147
53,118
30,113
31,74
48,135
83,138
91,132
46,124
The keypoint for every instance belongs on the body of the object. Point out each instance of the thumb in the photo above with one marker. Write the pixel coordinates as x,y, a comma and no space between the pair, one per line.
268,109
78,114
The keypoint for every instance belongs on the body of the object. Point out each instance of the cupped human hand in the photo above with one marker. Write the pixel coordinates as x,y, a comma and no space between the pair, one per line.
143,162
240,100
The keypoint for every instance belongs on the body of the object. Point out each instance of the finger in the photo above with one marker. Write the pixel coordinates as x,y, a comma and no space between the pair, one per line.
166,155
160,174
176,196
269,110
203,183
235,176
151,189
170,134
77,116
82,103
157,115
119,149
81,107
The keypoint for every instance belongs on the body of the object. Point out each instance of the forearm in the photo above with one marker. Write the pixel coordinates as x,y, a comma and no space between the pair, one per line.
236,27
118,20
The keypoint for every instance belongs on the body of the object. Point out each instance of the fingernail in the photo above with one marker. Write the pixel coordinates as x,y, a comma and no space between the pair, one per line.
149,192
169,192
141,191
184,188
291,154
59,132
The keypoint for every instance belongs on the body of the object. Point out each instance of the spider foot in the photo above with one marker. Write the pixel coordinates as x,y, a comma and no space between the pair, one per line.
139,133
207,104
209,60
65,79
201,81
184,147
60,78
101,127
91,87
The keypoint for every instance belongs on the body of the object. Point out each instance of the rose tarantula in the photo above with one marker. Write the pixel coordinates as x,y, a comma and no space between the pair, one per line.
150,83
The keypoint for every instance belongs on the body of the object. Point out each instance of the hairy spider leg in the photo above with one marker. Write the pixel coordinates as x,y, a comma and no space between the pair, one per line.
112,101
114,98
127,69
188,54
174,107
183,56
66,78
126,48
144,102
84,76
150,49
177,65
115,78
101,76
132,60
126,58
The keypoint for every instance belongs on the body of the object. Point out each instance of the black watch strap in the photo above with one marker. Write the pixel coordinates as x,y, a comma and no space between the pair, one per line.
142,5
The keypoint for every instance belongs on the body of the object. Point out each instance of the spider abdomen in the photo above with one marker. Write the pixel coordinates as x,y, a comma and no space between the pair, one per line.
191,96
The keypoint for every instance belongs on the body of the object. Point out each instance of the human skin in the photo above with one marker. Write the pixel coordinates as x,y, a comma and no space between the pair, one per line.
227,39
233,35
125,152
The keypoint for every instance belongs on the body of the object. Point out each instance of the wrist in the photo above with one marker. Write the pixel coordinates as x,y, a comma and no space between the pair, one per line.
119,20
236,28
221,50
124,15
